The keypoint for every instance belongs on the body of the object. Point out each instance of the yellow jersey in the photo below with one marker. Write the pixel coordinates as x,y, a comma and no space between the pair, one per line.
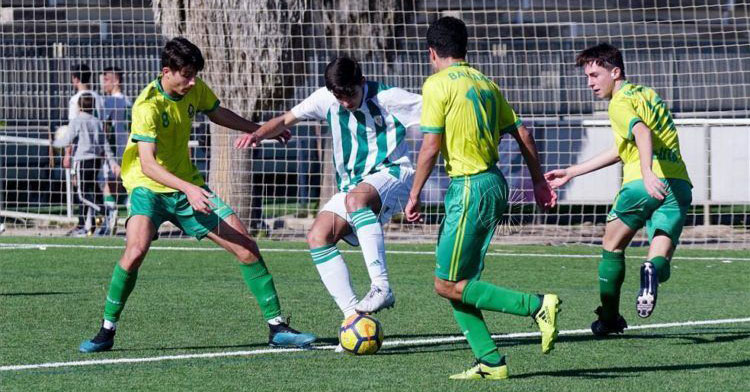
167,121
468,108
632,104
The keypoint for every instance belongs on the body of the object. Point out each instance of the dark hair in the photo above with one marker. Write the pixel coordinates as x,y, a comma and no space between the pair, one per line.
82,72
448,37
86,103
179,53
117,71
343,75
604,55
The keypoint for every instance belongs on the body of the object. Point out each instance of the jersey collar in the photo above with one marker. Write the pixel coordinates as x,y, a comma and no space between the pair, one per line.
164,93
460,64
623,87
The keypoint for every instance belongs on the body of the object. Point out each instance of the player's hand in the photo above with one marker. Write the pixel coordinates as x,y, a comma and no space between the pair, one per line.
66,162
199,199
247,140
284,137
115,169
412,210
557,178
654,186
546,198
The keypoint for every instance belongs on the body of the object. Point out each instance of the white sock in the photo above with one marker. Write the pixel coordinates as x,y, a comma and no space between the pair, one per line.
276,320
335,276
372,242
109,325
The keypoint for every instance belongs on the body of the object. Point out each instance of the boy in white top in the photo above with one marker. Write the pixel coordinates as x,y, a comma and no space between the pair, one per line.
368,122
80,77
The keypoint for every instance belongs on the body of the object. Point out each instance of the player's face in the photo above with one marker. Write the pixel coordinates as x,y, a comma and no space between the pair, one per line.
353,102
109,81
178,81
600,80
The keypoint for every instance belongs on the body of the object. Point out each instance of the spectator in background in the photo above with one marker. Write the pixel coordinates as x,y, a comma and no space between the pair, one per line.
115,117
80,77
90,149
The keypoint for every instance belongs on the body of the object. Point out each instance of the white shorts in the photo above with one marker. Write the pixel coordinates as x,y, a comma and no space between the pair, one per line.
394,194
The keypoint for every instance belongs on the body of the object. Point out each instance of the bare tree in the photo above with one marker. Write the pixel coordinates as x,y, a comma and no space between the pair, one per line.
243,42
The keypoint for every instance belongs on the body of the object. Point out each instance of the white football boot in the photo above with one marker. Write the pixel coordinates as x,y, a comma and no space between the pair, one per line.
376,300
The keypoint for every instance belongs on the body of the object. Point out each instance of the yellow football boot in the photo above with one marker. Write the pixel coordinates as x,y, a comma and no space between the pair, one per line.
481,371
546,319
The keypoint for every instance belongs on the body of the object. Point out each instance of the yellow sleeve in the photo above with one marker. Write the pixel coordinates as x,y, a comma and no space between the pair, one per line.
144,123
433,108
508,120
208,101
623,116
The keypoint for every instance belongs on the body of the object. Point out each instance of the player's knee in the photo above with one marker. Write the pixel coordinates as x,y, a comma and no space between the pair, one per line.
316,238
445,288
133,257
354,202
247,253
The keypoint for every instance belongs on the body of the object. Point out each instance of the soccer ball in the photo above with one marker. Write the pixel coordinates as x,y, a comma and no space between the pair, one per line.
361,334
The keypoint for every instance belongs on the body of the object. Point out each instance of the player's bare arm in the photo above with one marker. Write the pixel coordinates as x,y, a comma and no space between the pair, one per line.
197,196
654,186
276,128
560,177
544,195
426,160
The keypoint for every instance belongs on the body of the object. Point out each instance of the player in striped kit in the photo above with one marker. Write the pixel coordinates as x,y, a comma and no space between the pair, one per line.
368,122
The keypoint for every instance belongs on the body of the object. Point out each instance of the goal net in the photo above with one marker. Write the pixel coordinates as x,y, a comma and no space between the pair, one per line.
263,57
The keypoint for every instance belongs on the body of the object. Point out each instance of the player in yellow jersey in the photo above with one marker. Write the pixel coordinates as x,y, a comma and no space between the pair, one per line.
656,190
164,185
464,115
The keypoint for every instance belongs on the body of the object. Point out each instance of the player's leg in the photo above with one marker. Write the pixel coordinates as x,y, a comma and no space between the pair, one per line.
473,207
86,194
611,273
626,217
664,228
327,229
451,275
140,231
79,229
224,228
363,204
108,186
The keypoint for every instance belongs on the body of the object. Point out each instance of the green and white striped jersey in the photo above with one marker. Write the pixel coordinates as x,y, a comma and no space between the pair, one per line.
369,139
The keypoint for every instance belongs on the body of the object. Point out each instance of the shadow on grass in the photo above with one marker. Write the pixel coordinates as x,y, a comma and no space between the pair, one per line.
627,371
206,347
421,347
679,338
39,293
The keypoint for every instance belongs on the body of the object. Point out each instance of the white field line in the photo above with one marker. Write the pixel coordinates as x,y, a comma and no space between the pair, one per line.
389,343
10,246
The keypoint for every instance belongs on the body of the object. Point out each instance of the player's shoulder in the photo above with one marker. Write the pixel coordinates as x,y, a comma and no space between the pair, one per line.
148,101
200,84
386,93
322,97
636,92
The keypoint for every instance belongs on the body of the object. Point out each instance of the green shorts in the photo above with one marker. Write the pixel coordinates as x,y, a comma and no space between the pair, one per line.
474,205
174,207
635,208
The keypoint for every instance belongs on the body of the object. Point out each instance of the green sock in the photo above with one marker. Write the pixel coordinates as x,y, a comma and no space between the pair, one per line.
120,287
611,276
261,285
486,296
472,325
661,264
